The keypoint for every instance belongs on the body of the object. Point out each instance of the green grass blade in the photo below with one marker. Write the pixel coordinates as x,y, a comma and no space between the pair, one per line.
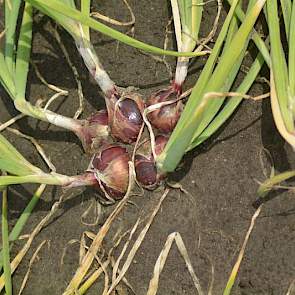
44,178
22,220
54,6
268,185
234,24
198,90
291,60
196,12
5,76
191,23
5,245
182,4
279,65
85,9
255,36
23,52
286,8
5,79
17,229
12,9
196,95
13,162
231,104
189,121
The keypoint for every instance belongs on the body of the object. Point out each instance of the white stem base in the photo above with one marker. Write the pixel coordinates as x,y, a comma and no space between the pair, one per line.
181,71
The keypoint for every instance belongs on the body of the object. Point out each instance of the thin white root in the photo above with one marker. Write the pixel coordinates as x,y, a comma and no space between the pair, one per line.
64,252
42,79
11,121
116,22
97,213
76,76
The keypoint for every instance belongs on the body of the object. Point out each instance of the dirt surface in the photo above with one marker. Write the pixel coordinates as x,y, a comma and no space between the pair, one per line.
221,177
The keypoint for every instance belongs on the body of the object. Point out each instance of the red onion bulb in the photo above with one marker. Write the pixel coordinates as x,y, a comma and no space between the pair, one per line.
166,117
125,116
94,131
145,165
111,169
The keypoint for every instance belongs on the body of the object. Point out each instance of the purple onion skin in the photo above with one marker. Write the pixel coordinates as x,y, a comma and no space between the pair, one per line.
112,163
166,117
145,166
125,120
94,131
146,172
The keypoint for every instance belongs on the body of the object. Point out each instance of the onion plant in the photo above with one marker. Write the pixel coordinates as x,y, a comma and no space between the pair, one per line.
282,67
187,17
107,172
201,116
282,77
14,65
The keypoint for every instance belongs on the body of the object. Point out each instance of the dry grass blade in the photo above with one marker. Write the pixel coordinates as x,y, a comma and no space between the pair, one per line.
89,257
236,267
154,283
235,94
291,289
17,260
35,255
116,264
116,22
137,244
96,274
125,281
11,121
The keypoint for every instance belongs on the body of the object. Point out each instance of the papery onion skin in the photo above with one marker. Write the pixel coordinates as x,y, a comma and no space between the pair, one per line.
94,131
166,117
112,164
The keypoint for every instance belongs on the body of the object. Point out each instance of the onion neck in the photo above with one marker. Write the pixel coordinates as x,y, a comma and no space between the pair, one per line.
181,72
26,108
183,62
93,65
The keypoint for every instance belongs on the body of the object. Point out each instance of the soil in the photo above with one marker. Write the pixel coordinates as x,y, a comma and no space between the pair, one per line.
222,176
